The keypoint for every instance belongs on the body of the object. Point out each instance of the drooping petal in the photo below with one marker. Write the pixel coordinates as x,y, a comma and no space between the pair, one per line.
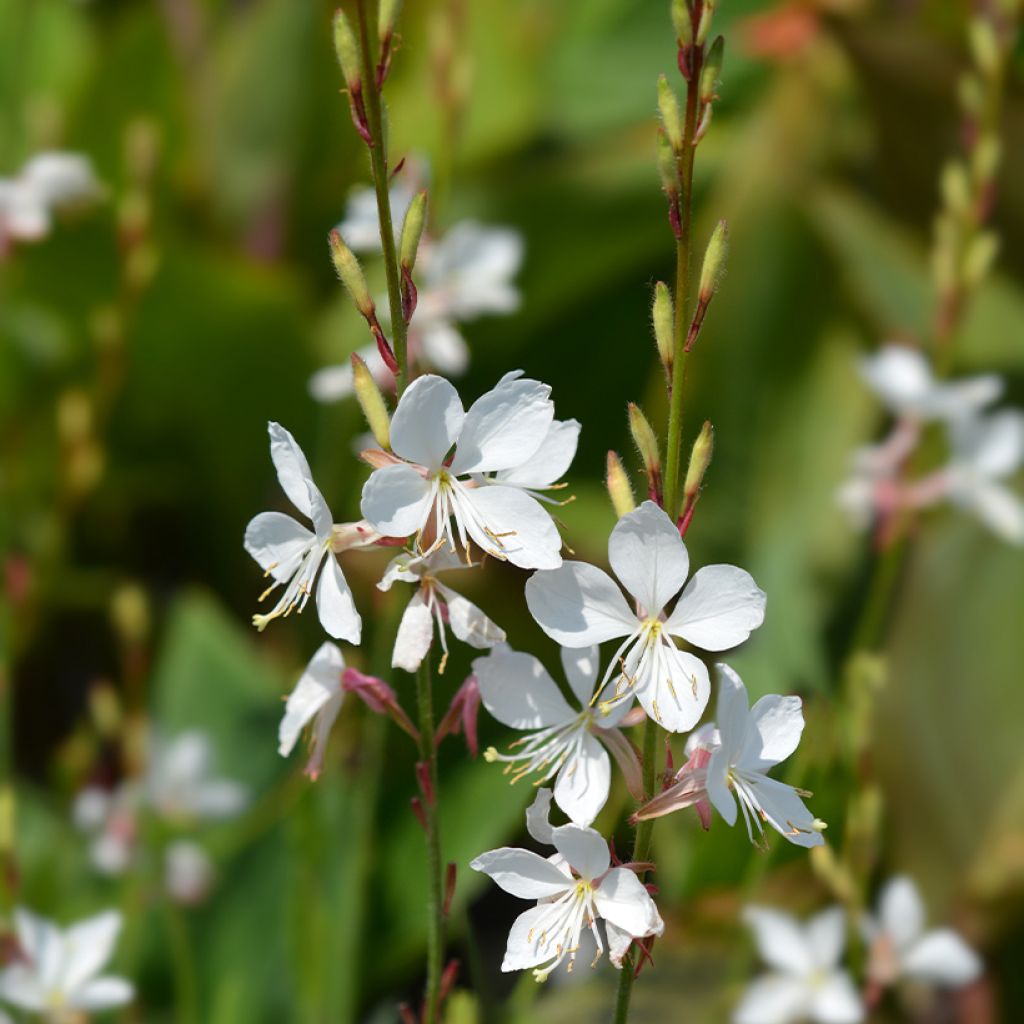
648,556
619,943
468,623
584,849
580,665
538,817
396,500
102,994
527,943
773,999
775,726
578,605
836,1001
826,937
942,958
674,689
781,941
901,912
523,873
318,682
550,462
504,427
520,529
581,788
719,608
427,422
335,604
415,633
622,900
292,468
277,542
322,726
517,690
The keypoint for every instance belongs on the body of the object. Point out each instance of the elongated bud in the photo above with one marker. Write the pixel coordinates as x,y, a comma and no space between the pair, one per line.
619,489
668,108
682,22
980,256
714,260
371,401
712,70
647,445
412,229
704,25
386,18
663,317
700,459
669,174
984,45
351,275
347,49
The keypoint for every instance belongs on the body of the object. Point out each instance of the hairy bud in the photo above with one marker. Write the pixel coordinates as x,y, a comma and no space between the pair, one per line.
347,49
351,275
412,230
371,401
647,445
714,260
704,25
619,490
712,70
700,459
386,18
668,108
682,22
663,318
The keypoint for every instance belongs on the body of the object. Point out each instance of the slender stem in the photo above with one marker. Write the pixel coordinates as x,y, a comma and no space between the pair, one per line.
674,440
183,965
379,170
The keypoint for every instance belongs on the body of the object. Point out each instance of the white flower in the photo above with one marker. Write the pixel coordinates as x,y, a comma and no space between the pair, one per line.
903,380
360,227
579,604
292,555
806,982
548,464
563,743
987,450
317,698
180,785
188,872
899,947
110,817
425,491
60,976
574,892
434,602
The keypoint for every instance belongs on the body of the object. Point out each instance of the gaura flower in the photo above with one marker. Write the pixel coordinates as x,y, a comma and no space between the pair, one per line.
805,982
579,604
317,698
564,742
424,491
548,464
899,947
188,872
292,555
575,891
59,977
434,602
689,788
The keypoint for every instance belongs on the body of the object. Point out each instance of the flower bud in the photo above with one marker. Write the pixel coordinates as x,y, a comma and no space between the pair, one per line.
619,489
347,49
714,260
712,70
386,18
668,108
663,317
980,256
986,158
412,229
700,459
971,94
647,445
984,45
704,25
956,187
351,274
667,169
682,22
371,401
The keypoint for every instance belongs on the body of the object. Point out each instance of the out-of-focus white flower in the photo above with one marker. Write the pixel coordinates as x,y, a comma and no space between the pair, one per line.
562,741
421,492
360,227
292,555
60,975
434,602
579,604
805,982
188,872
317,698
180,783
575,891
110,817
899,946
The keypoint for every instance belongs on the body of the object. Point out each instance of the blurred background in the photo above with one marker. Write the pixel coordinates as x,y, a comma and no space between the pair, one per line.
146,342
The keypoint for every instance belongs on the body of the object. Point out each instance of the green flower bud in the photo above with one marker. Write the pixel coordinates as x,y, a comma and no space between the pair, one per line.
980,256
668,107
714,261
347,49
619,490
663,317
645,440
351,275
712,70
371,401
682,22
700,459
386,18
412,229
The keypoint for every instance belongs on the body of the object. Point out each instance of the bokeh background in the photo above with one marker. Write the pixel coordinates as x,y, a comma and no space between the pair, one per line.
145,344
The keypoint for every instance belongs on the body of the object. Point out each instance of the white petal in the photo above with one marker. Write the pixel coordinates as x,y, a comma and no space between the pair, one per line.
415,633
292,468
674,691
517,690
719,793
781,942
335,605
523,873
964,397
320,680
396,500
20,986
581,788
527,535
719,608
836,1001
732,714
901,912
275,539
43,943
993,445
103,994
773,999
322,726
538,817
619,943
427,421
784,810
331,383
900,376
550,462
468,623
88,946
775,724
942,958
525,947
826,937
999,508
622,900
443,347
584,849
578,605
648,556
580,666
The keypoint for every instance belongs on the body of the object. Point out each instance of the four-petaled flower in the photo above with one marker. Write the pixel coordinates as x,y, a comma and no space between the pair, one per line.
292,555
806,982
579,604
575,891
428,491
517,690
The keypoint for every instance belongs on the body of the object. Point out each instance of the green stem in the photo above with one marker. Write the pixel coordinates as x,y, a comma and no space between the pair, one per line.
183,965
379,170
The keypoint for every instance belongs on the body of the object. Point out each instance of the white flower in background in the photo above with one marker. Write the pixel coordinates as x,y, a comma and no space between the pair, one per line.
422,492
575,891
564,742
579,604
180,783
434,602
110,818
899,947
360,227
292,555
874,485
188,872
806,982
59,977
317,698
902,378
